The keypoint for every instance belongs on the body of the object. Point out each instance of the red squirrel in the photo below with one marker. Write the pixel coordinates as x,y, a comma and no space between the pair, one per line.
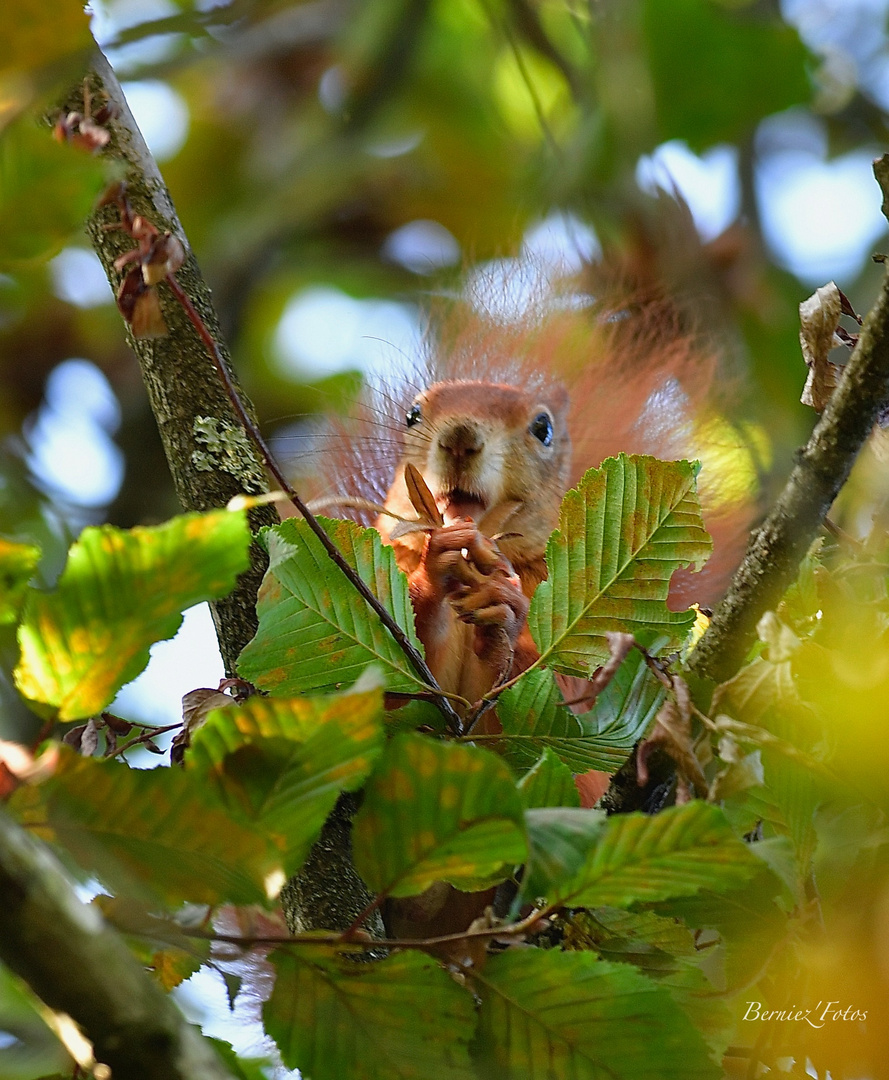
491,435
507,418
487,451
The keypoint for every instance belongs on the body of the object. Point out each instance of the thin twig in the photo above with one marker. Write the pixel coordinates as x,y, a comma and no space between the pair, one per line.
143,737
513,930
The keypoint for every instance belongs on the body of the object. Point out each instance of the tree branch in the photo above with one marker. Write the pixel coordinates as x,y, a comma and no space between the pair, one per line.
180,377
80,966
823,465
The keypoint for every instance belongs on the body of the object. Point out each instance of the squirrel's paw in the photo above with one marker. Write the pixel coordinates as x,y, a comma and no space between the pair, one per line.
458,556
466,570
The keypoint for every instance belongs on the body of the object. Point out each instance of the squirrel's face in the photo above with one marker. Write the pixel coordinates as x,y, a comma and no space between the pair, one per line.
480,445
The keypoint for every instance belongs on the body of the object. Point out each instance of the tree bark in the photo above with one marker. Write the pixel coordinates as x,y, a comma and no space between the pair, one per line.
179,375
823,465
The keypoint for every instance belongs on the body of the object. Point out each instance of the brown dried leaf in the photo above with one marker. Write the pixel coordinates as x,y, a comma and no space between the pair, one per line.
672,736
422,499
73,736
196,707
117,723
165,257
819,319
140,306
89,741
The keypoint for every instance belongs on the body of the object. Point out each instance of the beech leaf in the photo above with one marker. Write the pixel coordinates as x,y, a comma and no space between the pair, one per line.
623,531
581,859
315,632
120,592
535,718
282,763
546,1013
436,811
403,1018
153,833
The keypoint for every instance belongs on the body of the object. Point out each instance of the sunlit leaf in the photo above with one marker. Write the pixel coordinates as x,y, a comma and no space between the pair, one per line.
35,1049
548,783
577,857
403,1018
555,1014
434,811
534,719
282,763
120,592
315,632
171,967
152,832
17,564
46,192
623,531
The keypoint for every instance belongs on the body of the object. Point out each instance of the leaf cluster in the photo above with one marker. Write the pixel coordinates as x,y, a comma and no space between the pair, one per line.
261,776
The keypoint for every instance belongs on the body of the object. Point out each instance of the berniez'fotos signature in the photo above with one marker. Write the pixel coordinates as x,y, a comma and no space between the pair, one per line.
823,1013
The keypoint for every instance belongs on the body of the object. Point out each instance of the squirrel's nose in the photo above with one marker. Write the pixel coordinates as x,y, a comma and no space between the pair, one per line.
461,441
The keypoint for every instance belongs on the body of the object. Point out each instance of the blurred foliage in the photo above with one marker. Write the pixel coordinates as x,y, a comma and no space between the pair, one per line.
315,131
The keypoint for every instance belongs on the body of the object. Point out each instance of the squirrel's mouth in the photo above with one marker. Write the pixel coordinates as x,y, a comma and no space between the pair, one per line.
457,504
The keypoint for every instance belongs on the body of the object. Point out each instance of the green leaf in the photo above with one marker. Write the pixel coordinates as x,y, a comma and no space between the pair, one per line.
35,1049
748,920
555,1014
650,942
578,858
154,833
548,783
534,719
664,949
718,69
37,35
17,564
315,632
119,593
403,1018
435,811
46,190
622,533
765,694
282,763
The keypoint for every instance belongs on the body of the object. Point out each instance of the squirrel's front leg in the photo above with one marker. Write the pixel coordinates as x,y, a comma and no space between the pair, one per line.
463,575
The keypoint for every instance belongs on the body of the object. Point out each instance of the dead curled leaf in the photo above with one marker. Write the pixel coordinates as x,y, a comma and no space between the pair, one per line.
819,333
819,318
196,707
672,736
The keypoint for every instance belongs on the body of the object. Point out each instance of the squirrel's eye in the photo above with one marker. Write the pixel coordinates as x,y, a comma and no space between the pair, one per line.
542,428
414,415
